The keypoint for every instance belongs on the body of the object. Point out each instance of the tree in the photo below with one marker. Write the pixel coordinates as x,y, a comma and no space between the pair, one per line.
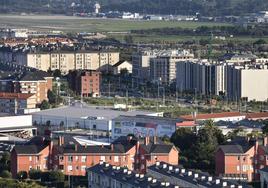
52,176
35,174
5,174
52,97
197,150
22,175
5,162
208,139
57,73
56,176
265,127
44,105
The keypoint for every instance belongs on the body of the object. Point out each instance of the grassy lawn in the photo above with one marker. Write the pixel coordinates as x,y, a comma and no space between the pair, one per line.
79,24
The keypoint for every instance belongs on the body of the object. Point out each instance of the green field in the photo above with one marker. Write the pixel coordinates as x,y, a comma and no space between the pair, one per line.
79,24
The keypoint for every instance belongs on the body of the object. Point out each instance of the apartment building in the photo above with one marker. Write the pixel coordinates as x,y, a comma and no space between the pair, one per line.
14,103
247,82
201,77
73,159
86,83
163,66
37,83
62,60
104,175
182,177
242,158
141,65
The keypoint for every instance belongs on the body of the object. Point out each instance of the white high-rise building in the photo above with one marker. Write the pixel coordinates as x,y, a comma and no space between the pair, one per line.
247,82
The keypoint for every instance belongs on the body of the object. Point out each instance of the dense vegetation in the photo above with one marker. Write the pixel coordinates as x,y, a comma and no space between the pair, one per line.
184,7
197,150
258,31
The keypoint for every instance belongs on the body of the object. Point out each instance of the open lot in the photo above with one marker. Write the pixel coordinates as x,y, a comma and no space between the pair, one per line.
80,24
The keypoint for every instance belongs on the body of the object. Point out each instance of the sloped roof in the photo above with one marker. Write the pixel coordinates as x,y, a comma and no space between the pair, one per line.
212,116
28,149
4,95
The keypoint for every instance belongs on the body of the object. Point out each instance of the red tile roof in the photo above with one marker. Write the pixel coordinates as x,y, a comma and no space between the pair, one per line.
258,115
4,95
186,124
212,116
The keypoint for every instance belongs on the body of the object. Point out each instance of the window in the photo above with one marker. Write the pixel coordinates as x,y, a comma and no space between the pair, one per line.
83,159
244,168
83,168
238,168
70,158
37,158
238,158
30,167
142,157
61,158
102,158
116,159
76,158
77,167
70,168
30,158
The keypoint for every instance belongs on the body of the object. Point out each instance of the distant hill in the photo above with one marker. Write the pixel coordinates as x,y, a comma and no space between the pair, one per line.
183,7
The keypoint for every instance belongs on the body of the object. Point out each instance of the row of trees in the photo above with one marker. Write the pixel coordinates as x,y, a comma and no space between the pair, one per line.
258,31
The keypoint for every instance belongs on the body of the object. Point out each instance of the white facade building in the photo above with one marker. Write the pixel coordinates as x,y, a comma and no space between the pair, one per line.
142,126
248,82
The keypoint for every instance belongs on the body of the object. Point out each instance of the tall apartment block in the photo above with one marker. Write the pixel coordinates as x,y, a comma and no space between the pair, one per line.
163,66
201,77
62,60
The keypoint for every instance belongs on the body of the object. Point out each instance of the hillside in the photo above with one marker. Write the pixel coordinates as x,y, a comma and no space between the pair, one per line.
184,7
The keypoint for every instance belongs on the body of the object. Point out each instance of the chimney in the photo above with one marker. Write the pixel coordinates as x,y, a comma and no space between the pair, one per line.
137,146
112,147
155,140
146,140
265,140
60,141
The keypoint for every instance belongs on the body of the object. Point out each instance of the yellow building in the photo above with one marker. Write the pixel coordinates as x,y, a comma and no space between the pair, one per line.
65,61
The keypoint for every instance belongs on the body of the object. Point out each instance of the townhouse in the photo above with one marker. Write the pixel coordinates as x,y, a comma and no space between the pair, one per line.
241,159
73,158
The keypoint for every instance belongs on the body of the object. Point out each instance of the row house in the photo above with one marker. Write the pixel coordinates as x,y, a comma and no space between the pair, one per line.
73,158
242,159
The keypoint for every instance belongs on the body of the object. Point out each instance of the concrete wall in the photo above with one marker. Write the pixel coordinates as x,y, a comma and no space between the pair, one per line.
15,121
254,84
